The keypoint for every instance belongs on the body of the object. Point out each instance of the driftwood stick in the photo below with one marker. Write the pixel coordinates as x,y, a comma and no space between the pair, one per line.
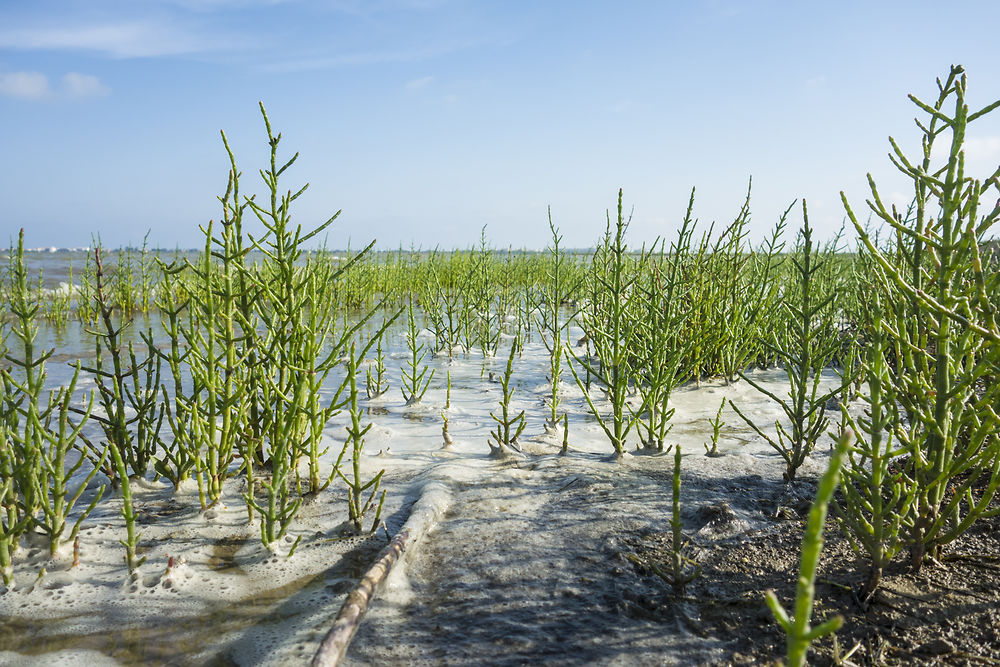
339,637
426,511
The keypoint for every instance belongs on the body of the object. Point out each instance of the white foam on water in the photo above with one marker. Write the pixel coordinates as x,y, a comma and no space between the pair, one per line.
209,591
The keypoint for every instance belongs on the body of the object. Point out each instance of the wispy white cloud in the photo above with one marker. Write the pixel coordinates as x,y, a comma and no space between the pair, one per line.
25,85
35,86
417,84
135,39
353,59
83,85
217,5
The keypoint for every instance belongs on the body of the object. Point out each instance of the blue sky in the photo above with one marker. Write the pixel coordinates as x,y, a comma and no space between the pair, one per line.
426,119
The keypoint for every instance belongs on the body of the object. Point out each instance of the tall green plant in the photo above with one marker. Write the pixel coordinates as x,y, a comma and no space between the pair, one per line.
608,325
804,349
556,290
119,440
661,318
179,453
13,521
943,325
290,343
875,502
54,485
37,439
357,505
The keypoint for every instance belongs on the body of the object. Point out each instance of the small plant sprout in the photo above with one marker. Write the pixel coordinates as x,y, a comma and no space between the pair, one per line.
414,385
448,440
508,428
683,570
565,442
717,425
377,383
447,391
445,435
800,634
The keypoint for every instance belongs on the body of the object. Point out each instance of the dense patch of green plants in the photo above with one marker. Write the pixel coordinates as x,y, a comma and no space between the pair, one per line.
229,380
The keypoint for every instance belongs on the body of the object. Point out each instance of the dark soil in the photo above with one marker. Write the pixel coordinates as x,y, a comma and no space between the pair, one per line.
947,614
564,562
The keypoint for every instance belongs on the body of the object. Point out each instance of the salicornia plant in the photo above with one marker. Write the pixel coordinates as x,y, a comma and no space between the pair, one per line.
798,629
13,520
556,289
377,383
57,472
683,570
119,440
509,426
37,440
875,500
414,385
804,349
717,425
357,505
178,455
288,344
942,325
608,325
662,344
